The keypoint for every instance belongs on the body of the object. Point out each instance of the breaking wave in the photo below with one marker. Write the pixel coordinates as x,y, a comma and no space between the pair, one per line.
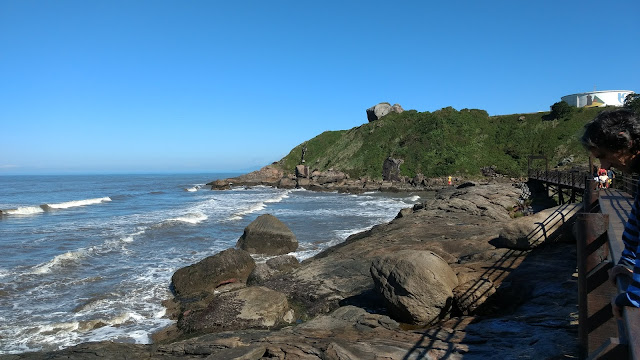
62,260
31,210
192,218
27,210
260,205
70,204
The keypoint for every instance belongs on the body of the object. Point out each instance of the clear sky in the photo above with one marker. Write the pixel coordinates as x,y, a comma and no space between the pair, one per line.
209,86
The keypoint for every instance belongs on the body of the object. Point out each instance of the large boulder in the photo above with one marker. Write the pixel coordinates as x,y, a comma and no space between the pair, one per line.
376,112
417,285
231,265
267,235
253,307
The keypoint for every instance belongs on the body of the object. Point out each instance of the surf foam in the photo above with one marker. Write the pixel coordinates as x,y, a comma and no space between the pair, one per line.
76,203
192,218
27,210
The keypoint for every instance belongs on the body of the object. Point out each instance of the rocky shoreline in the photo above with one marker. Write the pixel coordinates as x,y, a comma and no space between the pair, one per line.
330,180
454,277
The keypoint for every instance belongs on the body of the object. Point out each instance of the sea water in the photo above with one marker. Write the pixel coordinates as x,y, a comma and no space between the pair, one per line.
90,258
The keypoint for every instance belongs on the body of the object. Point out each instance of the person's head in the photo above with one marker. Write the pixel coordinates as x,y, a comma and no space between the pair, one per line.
614,138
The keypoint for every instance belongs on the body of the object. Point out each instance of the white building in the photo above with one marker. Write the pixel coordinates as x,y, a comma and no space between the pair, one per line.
597,98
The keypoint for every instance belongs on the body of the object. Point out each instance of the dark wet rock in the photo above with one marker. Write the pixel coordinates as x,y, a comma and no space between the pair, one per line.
220,185
267,235
202,278
246,308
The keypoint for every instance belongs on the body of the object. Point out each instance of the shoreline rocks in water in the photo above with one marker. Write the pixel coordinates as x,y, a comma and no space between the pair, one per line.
333,180
491,295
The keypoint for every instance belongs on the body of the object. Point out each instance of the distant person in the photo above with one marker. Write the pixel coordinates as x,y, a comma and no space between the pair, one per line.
449,181
614,138
611,176
602,178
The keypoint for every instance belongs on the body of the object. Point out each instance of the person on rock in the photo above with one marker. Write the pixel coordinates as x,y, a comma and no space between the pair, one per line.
613,137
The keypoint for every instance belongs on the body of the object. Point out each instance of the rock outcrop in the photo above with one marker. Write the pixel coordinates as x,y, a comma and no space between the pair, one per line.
253,307
417,285
376,112
501,294
269,236
269,175
391,169
272,267
202,279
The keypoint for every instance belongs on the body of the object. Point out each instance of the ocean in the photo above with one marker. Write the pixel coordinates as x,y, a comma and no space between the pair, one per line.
90,257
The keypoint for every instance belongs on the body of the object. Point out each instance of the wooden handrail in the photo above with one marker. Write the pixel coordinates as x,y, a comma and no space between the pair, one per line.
615,205
629,326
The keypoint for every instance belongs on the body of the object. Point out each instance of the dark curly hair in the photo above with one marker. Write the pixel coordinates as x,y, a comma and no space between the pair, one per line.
613,130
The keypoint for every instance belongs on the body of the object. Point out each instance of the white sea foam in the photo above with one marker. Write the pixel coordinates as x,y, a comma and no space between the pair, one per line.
251,209
191,218
344,234
415,198
26,210
258,206
61,260
194,188
76,203
278,198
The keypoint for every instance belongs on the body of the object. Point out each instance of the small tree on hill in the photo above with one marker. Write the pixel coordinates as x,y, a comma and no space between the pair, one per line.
632,101
561,110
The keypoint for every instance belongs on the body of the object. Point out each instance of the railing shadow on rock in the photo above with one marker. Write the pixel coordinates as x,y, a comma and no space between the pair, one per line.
551,229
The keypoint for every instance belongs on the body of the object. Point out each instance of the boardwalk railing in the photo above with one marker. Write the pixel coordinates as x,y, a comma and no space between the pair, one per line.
569,183
599,237
599,242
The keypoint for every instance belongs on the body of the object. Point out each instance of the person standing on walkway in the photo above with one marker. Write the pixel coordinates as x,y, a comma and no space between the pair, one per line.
613,137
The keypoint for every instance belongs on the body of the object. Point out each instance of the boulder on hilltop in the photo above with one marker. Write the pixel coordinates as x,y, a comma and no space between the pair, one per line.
376,112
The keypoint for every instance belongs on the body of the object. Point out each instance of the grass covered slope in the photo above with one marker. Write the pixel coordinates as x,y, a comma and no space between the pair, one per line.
446,142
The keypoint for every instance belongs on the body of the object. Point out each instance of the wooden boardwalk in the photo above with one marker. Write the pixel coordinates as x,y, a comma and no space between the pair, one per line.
600,228
599,240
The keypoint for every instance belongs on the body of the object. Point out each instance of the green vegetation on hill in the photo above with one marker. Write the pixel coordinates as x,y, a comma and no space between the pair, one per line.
447,142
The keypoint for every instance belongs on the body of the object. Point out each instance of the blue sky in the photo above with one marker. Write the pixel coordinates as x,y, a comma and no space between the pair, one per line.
210,86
